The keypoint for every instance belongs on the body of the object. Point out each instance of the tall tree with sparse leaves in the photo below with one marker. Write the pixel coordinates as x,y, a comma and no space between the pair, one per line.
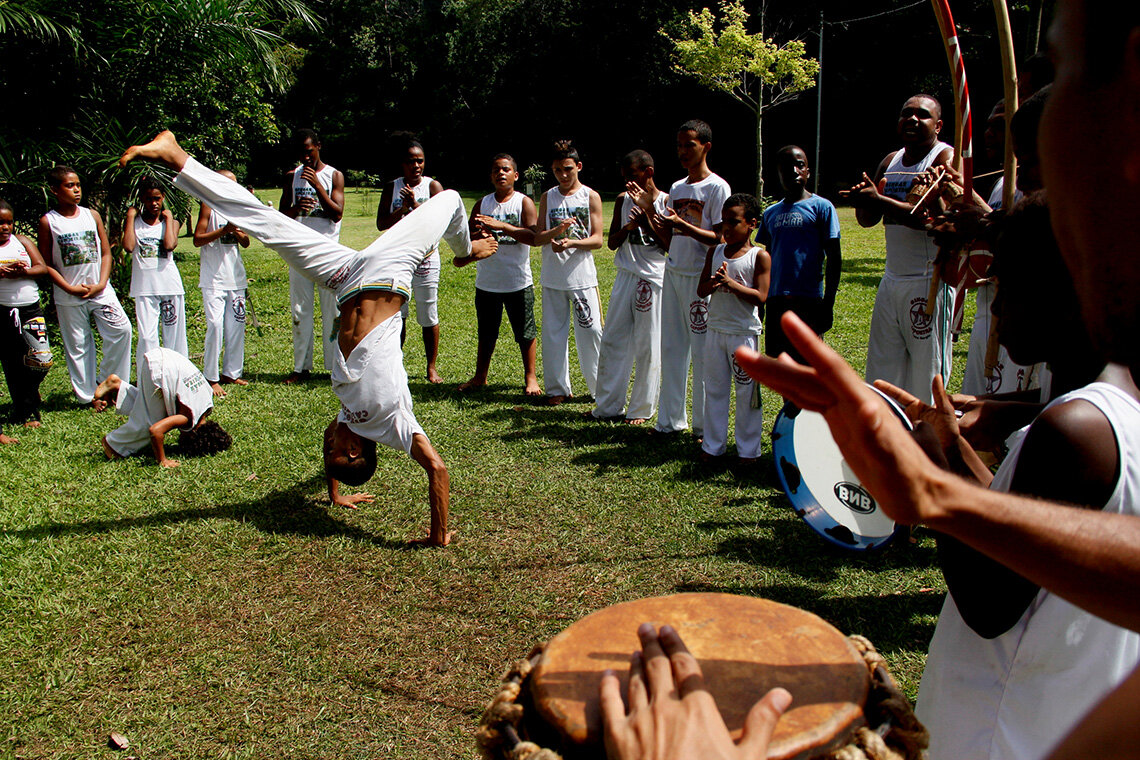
758,73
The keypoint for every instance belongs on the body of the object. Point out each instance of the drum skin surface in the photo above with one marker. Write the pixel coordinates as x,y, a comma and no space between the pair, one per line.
745,647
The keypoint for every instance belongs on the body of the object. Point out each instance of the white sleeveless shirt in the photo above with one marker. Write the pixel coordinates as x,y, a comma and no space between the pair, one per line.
221,266
17,291
421,192
318,218
641,252
75,252
910,252
153,270
1015,696
728,313
572,268
508,269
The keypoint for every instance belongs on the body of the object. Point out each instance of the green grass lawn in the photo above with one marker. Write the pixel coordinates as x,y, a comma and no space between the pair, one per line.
223,609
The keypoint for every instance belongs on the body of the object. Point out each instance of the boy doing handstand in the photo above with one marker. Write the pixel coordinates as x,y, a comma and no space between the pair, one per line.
368,374
503,282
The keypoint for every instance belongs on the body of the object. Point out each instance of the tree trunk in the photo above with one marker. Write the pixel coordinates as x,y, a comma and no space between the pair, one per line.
759,152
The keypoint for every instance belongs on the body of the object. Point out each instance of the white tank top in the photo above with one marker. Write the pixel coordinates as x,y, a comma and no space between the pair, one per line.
508,270
1016,695
153,270
422,192
727,312
570,269
909,252
318,218
641,253
221,266
17,291
75,251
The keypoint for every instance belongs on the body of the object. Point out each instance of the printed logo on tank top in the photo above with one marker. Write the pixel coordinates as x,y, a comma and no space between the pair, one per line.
309,203
151,248
920,322
113,315
77,248
228,239
354,417
642,236
166,310
195,382
338,278
698,317
739,375
993,380
643,296
513,219
582,312
239,309
581,216
692,210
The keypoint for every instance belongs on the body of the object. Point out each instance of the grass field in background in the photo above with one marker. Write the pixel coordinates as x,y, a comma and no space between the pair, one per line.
224,609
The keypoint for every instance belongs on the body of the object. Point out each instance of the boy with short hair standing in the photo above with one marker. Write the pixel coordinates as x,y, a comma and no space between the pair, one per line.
694,221
75,247
150,234
800,231
632,334
503,280
221,277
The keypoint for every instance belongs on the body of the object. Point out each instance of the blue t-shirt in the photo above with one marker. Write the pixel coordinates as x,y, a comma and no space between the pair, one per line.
794,234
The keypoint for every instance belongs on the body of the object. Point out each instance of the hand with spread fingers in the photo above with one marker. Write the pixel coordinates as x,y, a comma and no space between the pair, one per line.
671,716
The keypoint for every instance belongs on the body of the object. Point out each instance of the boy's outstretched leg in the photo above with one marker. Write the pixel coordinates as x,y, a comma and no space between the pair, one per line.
439,490
163,148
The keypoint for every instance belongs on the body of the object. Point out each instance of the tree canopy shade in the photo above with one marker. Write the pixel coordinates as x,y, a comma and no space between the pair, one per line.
757,72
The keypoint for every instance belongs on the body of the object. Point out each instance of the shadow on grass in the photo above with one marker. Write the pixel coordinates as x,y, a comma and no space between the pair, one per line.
900,622
283,512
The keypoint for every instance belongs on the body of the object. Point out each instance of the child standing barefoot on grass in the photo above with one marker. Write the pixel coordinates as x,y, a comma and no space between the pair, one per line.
151,235
570,228
24,351
735,279
503,281
79,264
401,198
223,282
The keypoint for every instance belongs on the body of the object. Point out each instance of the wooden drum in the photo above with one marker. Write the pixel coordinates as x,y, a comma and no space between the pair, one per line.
845,704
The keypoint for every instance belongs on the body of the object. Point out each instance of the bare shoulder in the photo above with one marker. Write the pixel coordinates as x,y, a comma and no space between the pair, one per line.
1069,454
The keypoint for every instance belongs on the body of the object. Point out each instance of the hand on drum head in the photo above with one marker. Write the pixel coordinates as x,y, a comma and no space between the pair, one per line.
874,442
940,416
671,716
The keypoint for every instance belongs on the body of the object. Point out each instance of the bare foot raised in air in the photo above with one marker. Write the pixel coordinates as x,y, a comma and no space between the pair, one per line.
6,439
106,391
163,149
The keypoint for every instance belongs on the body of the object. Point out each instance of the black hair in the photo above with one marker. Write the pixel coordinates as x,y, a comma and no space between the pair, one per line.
703,130
787,150
150,183
205,440
926,96
638,159
354,472
1026,120
751,206
1037,70
58,173
6,206
300,135
564,149
501,156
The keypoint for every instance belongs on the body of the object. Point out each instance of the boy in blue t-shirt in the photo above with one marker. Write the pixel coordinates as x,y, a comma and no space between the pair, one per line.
799,231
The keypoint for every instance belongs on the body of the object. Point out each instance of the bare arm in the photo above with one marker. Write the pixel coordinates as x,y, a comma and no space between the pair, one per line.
543,236
45,244
130,240
158,433
619,227
596,238
105,260
170,239
706,285
385,216
286,205
349,501
524,234
38,267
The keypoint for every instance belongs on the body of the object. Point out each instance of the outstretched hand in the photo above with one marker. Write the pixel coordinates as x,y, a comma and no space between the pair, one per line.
671,715
861,193
874,442
352,500
941,415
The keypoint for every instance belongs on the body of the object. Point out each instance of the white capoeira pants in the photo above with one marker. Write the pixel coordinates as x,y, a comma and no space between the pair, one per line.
79,342
425,291
143,405
303,305
684,322
632,336
161,313
722,374
907,348
385,265
1007,376
558,308
225,324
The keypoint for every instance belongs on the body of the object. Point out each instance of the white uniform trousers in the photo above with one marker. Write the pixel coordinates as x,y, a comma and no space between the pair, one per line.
558,308
143,405
1007,376
907,348
722,374
425,290
302,301
632,336
684,322
225,324
161,313
79,342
